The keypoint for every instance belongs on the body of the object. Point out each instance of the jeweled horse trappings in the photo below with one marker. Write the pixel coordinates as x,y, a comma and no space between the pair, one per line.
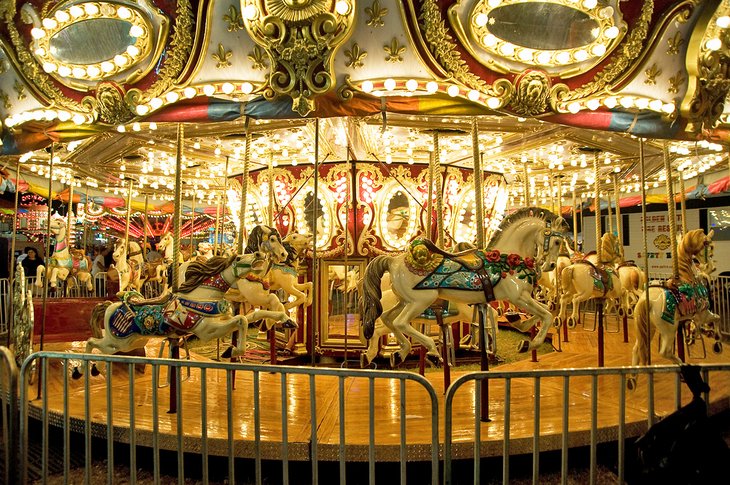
507,270
61,264
199,308
672,304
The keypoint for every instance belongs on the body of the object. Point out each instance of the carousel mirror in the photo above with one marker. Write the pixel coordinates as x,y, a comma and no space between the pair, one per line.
546,26
314,215
339,303
110,37
396,220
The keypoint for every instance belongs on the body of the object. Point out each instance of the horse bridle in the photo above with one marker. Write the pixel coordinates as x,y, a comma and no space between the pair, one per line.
244,266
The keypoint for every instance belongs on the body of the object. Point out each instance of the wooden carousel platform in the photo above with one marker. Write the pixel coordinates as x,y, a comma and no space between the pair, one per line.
580,352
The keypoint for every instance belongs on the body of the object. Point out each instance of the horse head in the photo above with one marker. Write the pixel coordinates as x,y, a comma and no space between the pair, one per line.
58,226
120,251
267,239
165,241
249,262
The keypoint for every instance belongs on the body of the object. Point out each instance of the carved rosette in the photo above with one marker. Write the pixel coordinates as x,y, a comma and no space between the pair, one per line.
300,38
110,104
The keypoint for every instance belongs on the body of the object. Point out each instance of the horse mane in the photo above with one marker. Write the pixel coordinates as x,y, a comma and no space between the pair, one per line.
198,271
256,238
291,254
692,243
556,222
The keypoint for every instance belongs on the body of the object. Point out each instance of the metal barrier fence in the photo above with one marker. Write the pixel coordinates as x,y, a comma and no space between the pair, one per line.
117,415
527,385
721,302
9,413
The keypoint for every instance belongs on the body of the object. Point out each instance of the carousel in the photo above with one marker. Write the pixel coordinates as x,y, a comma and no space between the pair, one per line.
383,185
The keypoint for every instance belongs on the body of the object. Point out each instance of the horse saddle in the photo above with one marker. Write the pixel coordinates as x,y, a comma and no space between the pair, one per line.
686,298
629,263
133,298
601,276
469,259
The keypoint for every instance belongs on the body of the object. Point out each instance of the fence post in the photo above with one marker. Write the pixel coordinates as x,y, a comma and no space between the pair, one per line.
9,400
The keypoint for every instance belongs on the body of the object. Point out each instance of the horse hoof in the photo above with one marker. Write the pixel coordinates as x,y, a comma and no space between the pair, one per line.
558,322
434,360
94,370
364,360
227,354
523,346
289,323
76,374
571,322
395,360
551,306
631,383
717,347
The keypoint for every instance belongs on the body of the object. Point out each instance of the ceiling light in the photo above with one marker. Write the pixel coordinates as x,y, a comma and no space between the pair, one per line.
432,86
367,86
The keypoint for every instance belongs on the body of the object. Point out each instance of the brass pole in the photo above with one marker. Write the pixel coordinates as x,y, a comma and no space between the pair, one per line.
642,177
575,223
144,232
439,191
671,206
270,217
129,214
68,212
619,222
429,202
11,310
526,181
552,193
609,217
86,225
597,195
192,226
47,259
478,184
244,186
683,202
217,225
315,263
178,206
560,195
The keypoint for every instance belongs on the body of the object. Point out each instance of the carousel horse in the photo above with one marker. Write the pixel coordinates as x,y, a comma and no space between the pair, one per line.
673,304
286,276
584,280
633,280
147,271
62,263
254,289
199,308
506,270
72,281
127,274
205,251
166,247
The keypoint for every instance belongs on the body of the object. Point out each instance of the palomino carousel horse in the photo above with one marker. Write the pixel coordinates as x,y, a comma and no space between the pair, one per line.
254,288
62,263
199,308
127,274
673,304
286,276
505,271
584,280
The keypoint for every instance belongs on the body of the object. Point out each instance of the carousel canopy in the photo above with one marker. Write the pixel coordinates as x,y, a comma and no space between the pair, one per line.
552,83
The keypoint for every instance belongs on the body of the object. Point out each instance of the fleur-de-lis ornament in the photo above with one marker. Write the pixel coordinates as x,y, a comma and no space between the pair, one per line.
375,14
234,19
394,51
355,56
222,57
258,59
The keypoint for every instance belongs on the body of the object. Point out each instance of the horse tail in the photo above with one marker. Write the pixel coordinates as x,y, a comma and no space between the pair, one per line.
643,335
97,318
566,278
370,305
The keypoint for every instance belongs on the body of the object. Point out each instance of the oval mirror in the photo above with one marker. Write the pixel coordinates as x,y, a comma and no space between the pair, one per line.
543,26
314,215
397,217
104,38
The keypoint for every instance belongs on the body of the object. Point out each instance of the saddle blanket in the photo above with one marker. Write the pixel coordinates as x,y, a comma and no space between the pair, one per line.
687,299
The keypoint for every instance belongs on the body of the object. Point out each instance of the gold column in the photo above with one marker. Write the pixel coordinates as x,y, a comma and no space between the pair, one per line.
671,207
178,206
478,183
244,186
597,196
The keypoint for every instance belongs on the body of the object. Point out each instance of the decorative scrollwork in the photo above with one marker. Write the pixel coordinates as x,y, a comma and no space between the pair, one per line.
300,37
531,94
110,104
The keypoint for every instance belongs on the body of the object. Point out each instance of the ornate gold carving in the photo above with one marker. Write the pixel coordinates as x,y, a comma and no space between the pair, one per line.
394,51
3,66
651,74
674,44
375,14
178,53
110,104
675,82
355,56
300,37
19,89
532,94
222,57
5,99
234,19
258,59
631,48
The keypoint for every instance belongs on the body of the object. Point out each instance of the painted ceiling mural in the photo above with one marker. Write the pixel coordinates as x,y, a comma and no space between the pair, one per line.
71,69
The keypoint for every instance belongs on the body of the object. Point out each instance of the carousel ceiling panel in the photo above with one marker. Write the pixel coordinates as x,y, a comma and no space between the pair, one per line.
15,96
230,54
381,48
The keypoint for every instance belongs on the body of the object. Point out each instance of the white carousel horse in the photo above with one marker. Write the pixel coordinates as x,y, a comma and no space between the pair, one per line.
672,304
584,280
199,308
205,251
166,246
286,277
633,280
425,273
254,288
62,263
146,271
